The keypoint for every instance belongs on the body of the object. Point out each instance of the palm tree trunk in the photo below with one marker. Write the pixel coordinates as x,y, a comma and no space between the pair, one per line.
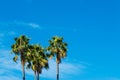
23,71
23,64
37,75
57,71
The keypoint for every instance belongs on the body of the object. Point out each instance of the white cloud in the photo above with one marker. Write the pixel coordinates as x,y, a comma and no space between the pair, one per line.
30,24
66,68
7,66
12,77
6,60
34,25
20,23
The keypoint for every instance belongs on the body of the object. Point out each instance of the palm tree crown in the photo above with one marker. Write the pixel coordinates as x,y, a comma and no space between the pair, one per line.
19,48
57,48
37,59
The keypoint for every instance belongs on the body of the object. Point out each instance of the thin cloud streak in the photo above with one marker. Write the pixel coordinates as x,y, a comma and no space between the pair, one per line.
32,25
9,78
20,23
37,26
66,68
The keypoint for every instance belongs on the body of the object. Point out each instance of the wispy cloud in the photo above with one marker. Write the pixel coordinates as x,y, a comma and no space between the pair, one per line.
30,24
37,26
9,77
6,69
21,23
34,25
66,69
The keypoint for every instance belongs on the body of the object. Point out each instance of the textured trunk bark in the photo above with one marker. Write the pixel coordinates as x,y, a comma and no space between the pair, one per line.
37,76
23,71
22,62
57,71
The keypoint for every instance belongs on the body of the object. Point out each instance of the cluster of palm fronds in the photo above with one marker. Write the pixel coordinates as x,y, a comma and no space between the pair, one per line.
35,57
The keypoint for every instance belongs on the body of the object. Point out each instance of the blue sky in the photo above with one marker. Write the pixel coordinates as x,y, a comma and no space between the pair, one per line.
90,27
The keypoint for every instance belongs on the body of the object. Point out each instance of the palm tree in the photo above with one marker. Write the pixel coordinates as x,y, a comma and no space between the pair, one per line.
57,48
37,60
19,48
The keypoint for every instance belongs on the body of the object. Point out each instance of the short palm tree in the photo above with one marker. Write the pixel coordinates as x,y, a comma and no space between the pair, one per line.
19,48
57,48
37,60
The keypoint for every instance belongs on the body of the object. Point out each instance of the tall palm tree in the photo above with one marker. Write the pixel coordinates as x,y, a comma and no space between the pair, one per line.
57,48
19,48
37,60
